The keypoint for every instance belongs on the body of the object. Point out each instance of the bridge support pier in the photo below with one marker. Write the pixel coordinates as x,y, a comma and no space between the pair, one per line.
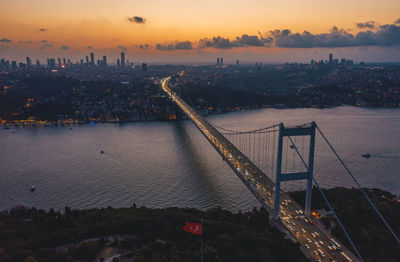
308,175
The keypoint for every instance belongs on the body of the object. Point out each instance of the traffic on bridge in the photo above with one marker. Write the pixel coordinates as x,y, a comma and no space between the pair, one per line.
315,241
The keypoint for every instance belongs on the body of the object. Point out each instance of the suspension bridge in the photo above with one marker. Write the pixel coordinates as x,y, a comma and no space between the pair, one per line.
270,161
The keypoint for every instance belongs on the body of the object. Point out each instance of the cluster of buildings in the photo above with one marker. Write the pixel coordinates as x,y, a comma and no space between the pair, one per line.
98,92
53,63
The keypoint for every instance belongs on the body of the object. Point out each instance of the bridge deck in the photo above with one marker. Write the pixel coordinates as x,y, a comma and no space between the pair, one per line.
262,187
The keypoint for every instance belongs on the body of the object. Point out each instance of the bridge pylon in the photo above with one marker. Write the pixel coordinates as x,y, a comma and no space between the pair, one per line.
307,175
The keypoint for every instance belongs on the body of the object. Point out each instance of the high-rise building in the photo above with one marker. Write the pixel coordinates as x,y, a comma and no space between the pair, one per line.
87,60
28,62
59,62
14,64
92,59
217,60
81,61
64,61
122,59
37,62
105,60
237,62
118,63
221,61
144,67
330,59
52,62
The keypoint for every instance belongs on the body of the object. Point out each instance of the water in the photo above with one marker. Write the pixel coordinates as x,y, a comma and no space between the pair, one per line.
162,164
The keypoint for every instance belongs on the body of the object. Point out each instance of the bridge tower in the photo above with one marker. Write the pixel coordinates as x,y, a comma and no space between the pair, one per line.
308,175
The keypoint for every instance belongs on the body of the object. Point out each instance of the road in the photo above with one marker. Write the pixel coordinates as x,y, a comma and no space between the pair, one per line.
316,242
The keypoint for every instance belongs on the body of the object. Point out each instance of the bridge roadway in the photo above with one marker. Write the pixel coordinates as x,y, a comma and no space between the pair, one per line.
314,241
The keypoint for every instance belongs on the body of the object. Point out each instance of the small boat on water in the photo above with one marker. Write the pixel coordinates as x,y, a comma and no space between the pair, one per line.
33,188
366,155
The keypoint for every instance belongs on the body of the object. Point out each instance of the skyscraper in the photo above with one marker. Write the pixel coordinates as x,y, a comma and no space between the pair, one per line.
28,61
222,61
64,61
104,60
59,62
87,60
122,59
237,62
217,60
118,63
144,67
92,59
330,59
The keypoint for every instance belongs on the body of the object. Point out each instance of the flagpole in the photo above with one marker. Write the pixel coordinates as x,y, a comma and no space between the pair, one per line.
202,230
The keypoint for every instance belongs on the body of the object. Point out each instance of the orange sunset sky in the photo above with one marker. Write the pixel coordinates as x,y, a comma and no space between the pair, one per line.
172,30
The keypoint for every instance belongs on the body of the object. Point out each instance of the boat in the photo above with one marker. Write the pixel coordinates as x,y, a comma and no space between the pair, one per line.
366,155
33,188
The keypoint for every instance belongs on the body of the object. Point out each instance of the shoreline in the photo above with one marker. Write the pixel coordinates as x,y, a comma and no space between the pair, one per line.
5,124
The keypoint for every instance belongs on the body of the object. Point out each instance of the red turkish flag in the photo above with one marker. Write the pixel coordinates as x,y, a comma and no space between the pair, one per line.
194,228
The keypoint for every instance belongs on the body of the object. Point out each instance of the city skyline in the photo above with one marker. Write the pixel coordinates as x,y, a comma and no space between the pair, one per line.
179,32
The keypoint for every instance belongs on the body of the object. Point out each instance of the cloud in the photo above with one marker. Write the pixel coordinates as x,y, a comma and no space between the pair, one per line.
89,47
385,35
25,42
250,40
44,41
123,48
167,47
137,20
368,24
185,45
5,40
218,42
397,22
44,46
43,29
65,47
145,46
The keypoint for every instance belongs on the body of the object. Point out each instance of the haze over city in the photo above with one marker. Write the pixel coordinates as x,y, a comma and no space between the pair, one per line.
158,31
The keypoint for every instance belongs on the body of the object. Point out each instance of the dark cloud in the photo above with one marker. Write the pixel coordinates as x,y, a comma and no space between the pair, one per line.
25,42
145,46
218,42
368,24
240,41
65,47
185,45
44,46
123,48
384,36
137,20
43,29
44,41
250,40
167,47
372,35
5,40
